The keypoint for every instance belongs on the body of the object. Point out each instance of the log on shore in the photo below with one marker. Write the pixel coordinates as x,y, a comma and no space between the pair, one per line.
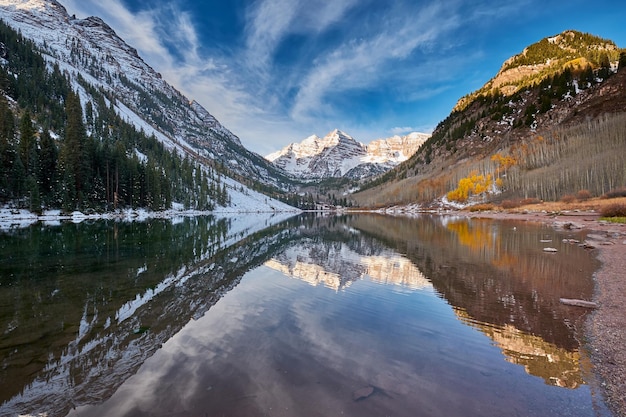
578,303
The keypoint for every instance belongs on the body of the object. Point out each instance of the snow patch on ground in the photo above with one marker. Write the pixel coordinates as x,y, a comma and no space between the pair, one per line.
11,218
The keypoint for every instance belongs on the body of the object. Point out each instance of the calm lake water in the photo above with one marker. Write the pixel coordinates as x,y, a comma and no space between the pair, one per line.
357,315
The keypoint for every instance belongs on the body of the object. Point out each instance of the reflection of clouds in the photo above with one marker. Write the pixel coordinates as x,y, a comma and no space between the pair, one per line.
295,351
336,267
276,347
176,372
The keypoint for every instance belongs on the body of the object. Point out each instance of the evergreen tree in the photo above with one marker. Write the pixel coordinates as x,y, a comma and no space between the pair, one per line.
32,192
17,177
74,158
7,151
28,144
622,61
605,66
48,156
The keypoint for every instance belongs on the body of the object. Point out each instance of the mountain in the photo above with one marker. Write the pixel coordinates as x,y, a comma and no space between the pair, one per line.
340,155
101,68
548,124
546,58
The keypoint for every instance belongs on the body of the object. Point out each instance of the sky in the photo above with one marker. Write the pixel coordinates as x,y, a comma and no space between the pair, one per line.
277,71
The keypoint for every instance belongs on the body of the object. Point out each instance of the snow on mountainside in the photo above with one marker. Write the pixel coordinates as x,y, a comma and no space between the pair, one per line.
339,154
91,50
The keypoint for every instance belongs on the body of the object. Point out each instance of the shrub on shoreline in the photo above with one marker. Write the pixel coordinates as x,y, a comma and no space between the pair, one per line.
614,210
619,192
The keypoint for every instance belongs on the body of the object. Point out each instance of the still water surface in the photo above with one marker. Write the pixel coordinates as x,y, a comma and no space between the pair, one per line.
316,316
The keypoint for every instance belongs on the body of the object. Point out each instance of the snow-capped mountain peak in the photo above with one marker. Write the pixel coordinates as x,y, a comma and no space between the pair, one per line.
339,154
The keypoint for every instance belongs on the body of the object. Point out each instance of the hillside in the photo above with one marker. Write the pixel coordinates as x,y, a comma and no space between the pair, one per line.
116,133
547,132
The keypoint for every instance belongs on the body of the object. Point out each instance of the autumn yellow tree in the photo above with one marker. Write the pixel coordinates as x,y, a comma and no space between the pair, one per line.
474,184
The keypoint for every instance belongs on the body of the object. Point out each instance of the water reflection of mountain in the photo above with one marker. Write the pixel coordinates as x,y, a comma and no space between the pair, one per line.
83,306
555,365
336,266
503,283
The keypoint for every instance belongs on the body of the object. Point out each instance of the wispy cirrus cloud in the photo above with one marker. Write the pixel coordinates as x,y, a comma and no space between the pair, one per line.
268,22
360,62
294,67
167,40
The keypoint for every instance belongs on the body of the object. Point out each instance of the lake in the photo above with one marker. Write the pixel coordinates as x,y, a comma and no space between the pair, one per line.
358,315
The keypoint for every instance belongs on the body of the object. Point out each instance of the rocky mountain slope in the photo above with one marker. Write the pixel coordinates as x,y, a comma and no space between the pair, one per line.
550,123
340,155
91,55
546,58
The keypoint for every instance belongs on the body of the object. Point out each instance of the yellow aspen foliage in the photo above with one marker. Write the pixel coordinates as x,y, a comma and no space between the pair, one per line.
474,184
504,162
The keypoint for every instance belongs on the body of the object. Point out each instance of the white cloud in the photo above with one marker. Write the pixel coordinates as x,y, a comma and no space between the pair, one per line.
269,105
359,63
268,23
402,130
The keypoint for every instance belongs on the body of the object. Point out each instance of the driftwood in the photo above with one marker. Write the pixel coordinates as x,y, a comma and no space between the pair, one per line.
578,303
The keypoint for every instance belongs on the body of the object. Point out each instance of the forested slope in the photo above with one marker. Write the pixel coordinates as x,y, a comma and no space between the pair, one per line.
64,146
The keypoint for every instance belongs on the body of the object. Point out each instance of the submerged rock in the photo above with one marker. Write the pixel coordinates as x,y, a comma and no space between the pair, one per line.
362,393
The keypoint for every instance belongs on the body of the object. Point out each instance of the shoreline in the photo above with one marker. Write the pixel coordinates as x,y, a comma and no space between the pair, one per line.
20,218
605,333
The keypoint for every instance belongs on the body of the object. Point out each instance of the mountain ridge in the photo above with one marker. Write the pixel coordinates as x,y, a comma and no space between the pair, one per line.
545,57
91,48
487,148
102,66
340,155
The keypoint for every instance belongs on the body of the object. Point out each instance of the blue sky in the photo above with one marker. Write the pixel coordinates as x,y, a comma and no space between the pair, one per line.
277,71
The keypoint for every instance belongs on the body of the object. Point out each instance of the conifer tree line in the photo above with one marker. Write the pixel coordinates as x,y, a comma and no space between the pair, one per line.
65,147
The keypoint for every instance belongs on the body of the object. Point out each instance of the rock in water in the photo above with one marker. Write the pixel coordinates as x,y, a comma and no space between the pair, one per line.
362,393
550,250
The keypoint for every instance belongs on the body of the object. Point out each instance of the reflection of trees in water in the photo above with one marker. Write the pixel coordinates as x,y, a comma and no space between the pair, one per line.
497,274
112,295
498,279
82,306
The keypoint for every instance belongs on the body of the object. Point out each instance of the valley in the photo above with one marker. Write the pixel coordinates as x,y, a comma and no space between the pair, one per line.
94,140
